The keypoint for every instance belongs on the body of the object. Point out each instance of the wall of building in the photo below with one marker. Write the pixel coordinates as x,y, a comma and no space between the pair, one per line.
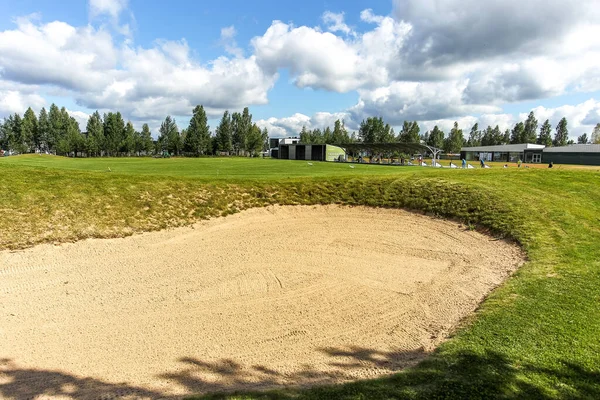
571,158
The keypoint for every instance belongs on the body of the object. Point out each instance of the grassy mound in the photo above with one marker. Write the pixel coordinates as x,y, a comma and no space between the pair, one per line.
535,337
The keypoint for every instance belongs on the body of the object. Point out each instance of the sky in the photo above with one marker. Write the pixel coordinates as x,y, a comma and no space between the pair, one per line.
306,63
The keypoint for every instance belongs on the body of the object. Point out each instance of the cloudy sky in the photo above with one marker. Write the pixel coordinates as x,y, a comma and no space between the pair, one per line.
306,63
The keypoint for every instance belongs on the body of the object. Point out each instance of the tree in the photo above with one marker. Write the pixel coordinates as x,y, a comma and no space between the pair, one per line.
43,131
95,134
327,136
596,134
146,142
487,139
241,124
56,127
583,139
169,137
371,130
517,134
455,140
305,136
114,132
409,133
197,139
255,140
128,141
562,133
545,136
530,129
223,134
474,136
436,138
506,137
29,130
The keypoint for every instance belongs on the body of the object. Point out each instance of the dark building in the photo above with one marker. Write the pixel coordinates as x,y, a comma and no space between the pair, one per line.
526,152
583,154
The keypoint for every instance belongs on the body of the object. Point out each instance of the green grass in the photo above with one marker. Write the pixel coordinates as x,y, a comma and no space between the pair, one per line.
538,336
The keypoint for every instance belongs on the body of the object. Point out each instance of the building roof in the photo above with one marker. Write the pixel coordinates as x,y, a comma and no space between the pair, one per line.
505,148
574,148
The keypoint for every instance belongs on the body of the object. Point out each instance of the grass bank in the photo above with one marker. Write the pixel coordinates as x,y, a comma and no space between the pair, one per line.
535,337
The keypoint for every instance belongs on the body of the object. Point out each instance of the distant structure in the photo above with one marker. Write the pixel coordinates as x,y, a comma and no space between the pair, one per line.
578,154
582,154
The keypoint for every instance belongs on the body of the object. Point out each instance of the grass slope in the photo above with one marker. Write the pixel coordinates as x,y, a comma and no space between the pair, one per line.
535,337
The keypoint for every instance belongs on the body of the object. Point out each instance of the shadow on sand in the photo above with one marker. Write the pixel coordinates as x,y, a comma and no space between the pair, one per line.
463,375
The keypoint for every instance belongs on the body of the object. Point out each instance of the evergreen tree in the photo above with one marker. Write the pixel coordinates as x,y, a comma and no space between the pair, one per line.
327,136
223,134
436,138
56,127
169,138
128,141
474,136
340,134
455,140
530,129
146,142
29,131
43,131
596,134
487,139
95,134
114,133
583,139
305,136
197,139
254,140
518,134
545,136
562,133
506,137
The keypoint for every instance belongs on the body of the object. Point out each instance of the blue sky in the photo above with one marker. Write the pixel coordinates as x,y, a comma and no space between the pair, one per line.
404,59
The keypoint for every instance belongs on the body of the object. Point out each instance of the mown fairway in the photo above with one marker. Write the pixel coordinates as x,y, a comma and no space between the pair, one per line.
535,337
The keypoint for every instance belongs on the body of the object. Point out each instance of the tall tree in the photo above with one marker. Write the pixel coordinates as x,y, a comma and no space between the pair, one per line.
197,139
506,137
474,136
373,129
146,142
487,139
43,131
596,134
409,133
530,129
241,124
223,134
255,140
56,127
169,137
562,133
327,136
114,133
583,139
518,133
95,134
128,141
455,140
29,130
340,134
305,136
545,136
436,138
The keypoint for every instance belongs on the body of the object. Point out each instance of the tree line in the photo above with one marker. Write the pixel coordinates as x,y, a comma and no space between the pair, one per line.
55,131
375,130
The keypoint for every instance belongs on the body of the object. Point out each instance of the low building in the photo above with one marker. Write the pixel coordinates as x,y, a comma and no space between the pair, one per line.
310,152
583,154
526,152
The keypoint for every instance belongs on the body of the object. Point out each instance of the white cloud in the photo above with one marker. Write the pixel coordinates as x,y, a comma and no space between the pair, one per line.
13,101
335,22
107,7
291,126
228,41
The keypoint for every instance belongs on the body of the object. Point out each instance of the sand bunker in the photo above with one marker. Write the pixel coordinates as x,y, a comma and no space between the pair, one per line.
274,296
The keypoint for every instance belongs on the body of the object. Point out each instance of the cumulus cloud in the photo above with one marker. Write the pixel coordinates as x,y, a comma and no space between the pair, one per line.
107,7
291,126
335,22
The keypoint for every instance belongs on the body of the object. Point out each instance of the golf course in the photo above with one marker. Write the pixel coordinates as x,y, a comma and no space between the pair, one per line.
516,317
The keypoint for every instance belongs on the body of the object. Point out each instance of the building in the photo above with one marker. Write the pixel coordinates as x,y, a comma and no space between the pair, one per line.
310,152
526,152
274,144
583,154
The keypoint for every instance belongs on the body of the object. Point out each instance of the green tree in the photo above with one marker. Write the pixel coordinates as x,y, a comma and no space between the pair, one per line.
114,133
241,125
223,134
146,142
506,137
474,136
43,131
517,134
562,133
530,129
596,134
305,136
455,140
29,131
340,134
56,127
371,130
128,141
409,133
197,139
545,136
255,140
95,134
169,137
487,139
436,138
327,136
583,139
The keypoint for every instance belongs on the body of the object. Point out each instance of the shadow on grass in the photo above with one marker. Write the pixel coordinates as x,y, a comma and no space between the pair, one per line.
459,376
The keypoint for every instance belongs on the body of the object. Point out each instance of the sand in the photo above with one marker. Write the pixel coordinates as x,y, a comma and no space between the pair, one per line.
267,297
